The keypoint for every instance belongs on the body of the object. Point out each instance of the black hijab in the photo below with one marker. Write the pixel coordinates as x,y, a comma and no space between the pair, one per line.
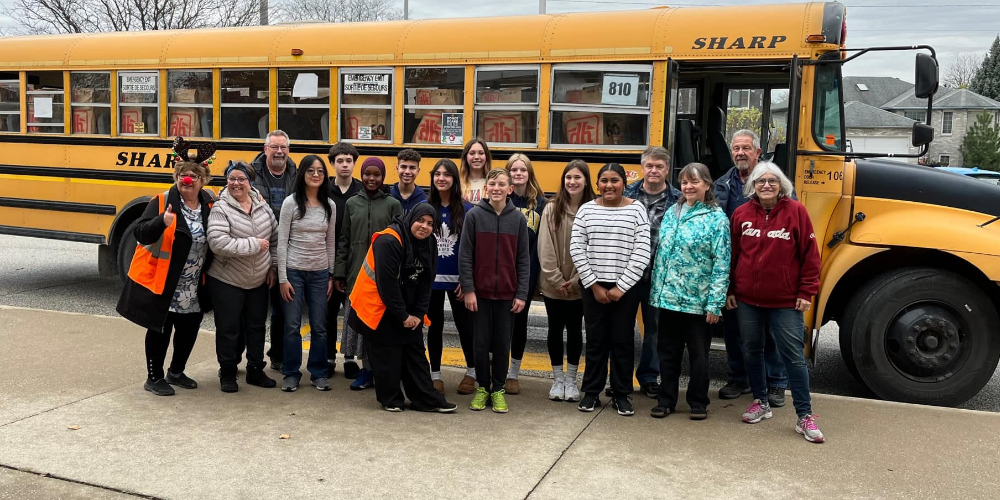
418,253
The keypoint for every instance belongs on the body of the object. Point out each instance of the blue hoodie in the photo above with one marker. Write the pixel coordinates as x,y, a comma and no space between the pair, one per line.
417,196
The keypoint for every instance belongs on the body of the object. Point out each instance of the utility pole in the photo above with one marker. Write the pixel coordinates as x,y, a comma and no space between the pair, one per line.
541,6
263,13
406,9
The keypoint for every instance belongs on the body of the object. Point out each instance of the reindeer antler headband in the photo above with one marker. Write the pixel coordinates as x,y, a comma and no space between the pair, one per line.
204,153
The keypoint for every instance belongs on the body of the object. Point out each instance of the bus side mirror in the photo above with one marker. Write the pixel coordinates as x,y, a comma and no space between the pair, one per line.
922,134
926,77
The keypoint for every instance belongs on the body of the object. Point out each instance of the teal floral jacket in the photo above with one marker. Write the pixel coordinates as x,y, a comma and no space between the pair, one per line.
691,267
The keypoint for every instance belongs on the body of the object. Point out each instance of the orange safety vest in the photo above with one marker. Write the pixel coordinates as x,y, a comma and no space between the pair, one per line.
365,300
151,263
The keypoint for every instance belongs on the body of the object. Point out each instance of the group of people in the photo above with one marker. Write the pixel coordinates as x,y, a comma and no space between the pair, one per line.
739,253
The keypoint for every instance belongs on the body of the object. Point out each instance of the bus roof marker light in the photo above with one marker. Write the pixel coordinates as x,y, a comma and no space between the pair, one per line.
816,39
297,52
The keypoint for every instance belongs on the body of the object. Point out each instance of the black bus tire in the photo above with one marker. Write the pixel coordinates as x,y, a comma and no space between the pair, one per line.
904,321
126,249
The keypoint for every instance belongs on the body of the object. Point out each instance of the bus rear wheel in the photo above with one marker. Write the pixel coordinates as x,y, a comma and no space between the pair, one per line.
126,249
921,335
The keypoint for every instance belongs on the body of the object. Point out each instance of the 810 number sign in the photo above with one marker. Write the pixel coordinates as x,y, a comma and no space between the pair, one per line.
620,90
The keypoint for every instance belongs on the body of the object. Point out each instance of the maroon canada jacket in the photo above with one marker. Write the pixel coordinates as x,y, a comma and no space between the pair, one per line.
775,259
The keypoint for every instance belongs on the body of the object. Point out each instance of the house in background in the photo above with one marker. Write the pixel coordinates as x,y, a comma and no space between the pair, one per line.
872,130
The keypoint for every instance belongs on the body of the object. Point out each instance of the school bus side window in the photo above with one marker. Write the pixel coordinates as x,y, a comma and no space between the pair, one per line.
431,92
304,103
189,103
507,104
245,97
366,98
45,102
10,102
90,99
138,102
600,105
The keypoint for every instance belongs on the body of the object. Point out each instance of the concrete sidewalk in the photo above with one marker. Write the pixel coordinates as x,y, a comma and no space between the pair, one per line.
59,370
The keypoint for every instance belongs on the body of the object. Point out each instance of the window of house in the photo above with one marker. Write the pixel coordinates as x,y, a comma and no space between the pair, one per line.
138,102
46,100
946,122
189,103
434,97
366,98
916,115
596,105
507,104
10,102
90,100
245,96
304,103
944,160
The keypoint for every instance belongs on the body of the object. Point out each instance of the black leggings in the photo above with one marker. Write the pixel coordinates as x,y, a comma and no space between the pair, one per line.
435,340
566,314
185,328
519,337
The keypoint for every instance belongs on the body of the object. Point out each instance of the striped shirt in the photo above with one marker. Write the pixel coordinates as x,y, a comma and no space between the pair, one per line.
610,244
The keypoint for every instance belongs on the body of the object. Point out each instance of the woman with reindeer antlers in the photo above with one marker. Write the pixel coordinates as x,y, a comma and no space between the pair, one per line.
165,287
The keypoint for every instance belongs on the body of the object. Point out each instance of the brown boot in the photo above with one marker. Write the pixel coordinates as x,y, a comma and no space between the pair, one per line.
439,386
512,386
467,386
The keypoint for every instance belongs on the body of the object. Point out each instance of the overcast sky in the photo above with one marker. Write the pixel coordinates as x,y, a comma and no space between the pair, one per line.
952,27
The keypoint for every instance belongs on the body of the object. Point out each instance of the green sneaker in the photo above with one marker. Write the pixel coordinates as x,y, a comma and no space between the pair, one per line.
499,403
479,400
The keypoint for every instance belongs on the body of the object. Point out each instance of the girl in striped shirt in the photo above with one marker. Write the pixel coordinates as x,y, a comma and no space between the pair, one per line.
610,248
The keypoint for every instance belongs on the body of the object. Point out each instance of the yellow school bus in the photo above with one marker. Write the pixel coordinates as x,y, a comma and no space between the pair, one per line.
911,256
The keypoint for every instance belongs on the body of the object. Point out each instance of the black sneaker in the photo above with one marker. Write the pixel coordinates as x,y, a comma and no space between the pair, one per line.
589,403
623,405
181,380
447,408
259,379
276,365
652,389
160,387
229,384
734,389
776,397
660,411
351,369
699,413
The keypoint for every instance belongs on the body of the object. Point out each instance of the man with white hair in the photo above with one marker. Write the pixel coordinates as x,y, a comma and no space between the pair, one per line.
275,180
729,192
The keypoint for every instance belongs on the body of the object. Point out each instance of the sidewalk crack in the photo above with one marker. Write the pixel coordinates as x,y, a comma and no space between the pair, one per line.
563,452
43,412
84,483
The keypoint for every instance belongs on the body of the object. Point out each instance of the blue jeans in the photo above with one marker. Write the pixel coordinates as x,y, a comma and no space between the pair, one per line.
773,366
788,330
310,292
649,360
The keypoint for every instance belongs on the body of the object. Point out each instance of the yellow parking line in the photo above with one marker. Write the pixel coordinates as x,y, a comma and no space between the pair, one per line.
453,356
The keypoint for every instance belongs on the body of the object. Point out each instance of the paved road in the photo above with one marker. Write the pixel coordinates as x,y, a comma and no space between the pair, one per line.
62,276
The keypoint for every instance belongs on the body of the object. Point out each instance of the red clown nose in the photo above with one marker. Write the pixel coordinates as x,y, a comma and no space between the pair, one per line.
187,180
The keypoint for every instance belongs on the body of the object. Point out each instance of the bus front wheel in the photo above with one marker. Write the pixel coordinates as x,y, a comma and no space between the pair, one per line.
126,249
921,335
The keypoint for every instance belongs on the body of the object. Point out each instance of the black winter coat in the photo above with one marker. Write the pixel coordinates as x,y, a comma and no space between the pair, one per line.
140,305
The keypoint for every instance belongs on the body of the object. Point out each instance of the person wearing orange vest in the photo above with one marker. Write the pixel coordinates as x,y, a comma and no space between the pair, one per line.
390,296
165,289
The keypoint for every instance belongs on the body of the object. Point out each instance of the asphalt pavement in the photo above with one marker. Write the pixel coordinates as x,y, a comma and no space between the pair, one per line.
62,276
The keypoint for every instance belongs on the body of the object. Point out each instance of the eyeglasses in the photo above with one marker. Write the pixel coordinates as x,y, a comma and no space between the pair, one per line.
772,182
238,180
315,173
194,177
277,148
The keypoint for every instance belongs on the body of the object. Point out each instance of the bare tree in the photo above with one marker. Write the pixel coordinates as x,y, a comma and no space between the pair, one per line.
84,16
962,69
338,11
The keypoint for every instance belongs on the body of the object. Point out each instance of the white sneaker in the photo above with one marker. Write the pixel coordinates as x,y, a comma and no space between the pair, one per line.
557,392
572,392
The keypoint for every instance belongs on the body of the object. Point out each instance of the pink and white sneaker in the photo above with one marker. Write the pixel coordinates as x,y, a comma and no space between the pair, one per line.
807,427
757,411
